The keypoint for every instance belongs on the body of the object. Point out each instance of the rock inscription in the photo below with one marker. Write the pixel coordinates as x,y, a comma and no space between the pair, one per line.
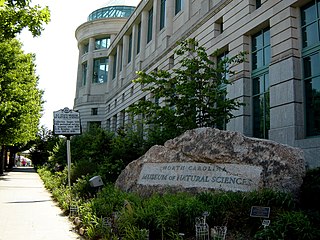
208,159
228,177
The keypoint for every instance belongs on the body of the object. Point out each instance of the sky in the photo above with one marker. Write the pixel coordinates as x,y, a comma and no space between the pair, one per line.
57,52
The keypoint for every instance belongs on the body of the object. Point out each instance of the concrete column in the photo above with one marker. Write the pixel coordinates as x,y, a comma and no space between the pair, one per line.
110,80
80,72
169,18
90,65
286,94
155,25
241,88
125,54
134,47
118,61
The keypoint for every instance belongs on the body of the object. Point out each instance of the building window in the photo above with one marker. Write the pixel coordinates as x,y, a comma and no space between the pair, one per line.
260,81
150,22
84,73
114,69
108,124
102,43
139,38
130,48
86,48
123,97
114,123
122,118
100,70
94,111
171,61
258,4
310,25
162,14
178,6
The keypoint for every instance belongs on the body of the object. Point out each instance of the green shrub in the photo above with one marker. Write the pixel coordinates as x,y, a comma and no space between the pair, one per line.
310,190
290,225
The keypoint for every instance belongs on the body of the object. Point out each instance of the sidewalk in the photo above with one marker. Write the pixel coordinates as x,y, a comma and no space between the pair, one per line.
27,211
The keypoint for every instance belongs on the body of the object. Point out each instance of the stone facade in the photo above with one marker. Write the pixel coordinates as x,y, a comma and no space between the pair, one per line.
207,159
227,25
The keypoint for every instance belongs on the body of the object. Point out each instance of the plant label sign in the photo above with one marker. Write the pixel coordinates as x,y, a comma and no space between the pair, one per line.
66,122
262,212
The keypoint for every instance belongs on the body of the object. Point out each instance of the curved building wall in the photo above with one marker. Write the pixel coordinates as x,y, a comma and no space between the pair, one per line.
271,82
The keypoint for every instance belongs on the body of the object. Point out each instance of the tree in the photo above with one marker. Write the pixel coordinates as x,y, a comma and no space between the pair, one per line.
20,99
41,148
16,15
193,95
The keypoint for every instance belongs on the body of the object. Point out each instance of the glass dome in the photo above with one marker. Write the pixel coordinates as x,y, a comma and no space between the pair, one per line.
112,12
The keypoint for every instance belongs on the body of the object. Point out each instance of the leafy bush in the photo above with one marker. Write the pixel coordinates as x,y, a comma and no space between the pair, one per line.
290,225
310,189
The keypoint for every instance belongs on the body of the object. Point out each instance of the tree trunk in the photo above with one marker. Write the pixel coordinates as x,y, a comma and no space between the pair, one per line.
2,159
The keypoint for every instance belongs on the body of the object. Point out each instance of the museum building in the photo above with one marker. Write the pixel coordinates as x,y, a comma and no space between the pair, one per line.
279,82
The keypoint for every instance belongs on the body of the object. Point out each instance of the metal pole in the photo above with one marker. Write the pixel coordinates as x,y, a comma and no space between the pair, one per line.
69,160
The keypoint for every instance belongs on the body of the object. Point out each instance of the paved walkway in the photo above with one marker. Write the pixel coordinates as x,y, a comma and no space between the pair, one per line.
27,211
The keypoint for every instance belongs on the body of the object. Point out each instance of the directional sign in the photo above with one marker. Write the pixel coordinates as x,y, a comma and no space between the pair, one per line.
66,122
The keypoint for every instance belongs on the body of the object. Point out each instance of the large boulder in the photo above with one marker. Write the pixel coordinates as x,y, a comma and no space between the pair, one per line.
207,159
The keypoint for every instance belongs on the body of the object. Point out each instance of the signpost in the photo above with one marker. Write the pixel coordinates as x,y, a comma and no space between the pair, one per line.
67,122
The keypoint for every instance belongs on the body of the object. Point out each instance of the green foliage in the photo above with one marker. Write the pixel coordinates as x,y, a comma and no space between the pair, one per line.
20,99
41,148
98,152
165,216
290,225
193,95
310,189
17,15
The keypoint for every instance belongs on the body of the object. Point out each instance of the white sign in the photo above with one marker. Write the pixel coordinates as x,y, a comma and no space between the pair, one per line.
228,177
66,122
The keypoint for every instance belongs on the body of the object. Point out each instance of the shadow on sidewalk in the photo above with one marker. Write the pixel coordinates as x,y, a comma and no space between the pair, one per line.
23,169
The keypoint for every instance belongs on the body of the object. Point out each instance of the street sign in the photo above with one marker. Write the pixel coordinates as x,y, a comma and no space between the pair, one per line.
66,122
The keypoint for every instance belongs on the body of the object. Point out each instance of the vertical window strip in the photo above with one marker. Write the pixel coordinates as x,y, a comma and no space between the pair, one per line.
310,25
162,14
150,22
260,80
84,73
100,70
114,69
139,38
178,6
130,48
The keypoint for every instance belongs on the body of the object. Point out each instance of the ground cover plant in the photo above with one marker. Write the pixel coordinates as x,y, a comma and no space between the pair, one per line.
114,214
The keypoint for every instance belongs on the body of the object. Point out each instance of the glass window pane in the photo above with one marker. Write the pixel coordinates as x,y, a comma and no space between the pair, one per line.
311,66
308,14
267,53
100,72
266,82
258,121
258,85
310,35
307,67
257,42
259,60
312,92
266,37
